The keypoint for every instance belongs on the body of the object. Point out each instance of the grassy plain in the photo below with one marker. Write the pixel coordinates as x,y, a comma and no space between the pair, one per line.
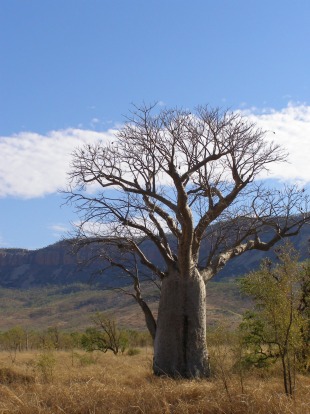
75,382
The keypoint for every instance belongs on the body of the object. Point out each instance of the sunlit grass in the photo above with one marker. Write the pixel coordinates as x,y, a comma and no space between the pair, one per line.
104,383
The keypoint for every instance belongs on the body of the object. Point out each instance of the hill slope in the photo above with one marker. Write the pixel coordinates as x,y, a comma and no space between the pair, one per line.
70,307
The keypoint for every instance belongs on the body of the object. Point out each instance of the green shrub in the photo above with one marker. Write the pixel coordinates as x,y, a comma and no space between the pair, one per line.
45,364
133,351
86,359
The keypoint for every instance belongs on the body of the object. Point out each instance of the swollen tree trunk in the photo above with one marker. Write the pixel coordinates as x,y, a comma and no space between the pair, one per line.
180,342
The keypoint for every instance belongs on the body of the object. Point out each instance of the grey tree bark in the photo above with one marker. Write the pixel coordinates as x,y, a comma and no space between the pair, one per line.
180,348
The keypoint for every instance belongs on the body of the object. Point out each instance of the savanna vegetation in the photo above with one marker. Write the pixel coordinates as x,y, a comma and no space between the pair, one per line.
49,381
260,366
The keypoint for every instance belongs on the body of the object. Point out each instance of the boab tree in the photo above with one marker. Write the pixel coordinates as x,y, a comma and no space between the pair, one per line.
185,183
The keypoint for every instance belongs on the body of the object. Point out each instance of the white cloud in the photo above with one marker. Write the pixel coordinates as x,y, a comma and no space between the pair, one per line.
33,165
290,128
59,230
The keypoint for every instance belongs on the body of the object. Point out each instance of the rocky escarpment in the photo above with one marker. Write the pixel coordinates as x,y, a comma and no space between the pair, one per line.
50,256
57,265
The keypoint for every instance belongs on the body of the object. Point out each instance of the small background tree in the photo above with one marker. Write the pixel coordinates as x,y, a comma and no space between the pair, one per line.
104,336
276,328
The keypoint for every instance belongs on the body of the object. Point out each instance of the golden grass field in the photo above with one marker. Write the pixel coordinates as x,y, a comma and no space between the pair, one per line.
76,382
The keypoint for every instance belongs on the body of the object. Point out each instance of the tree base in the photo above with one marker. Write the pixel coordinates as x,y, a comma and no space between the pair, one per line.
180,349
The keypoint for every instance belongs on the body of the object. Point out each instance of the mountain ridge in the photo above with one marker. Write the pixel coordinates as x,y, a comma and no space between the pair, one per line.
56,265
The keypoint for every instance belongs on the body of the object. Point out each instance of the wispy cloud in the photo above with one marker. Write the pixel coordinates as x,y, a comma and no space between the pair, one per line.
3,243
33,165
94,122
59,230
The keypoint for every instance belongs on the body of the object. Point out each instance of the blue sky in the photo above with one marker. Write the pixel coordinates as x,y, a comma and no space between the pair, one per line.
70,69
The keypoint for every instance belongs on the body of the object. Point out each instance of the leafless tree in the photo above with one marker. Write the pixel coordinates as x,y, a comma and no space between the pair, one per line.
184,182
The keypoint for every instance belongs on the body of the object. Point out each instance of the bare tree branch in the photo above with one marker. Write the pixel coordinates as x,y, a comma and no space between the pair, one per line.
187,183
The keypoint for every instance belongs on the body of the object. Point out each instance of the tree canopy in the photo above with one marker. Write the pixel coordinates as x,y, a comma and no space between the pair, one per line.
189,184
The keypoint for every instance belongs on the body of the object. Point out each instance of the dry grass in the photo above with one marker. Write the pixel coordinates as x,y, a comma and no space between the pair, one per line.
123,384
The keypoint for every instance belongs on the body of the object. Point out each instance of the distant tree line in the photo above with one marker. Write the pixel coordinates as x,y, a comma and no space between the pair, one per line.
19,339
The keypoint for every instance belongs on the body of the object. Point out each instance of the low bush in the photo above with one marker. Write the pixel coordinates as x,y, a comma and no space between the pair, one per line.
10,376
133,351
